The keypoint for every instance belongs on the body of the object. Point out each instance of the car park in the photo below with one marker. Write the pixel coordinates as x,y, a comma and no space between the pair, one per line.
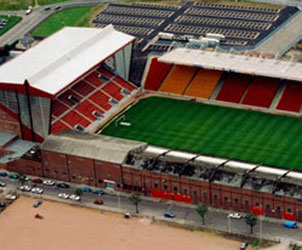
13,176
98,191
37,190
3,174
63,185
10,197
99,202
236,216
37,181
63,196
74,197
169,214
25,188
37,203
49,183
86,189
2,184
2,204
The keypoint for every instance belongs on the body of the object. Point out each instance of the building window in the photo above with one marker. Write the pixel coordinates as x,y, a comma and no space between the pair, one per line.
185,191
215,196
289,210
100,181
73,177
155,185
278,208
267,206
246,202
225,198
236,200
175,189
165,187
257,204
195,193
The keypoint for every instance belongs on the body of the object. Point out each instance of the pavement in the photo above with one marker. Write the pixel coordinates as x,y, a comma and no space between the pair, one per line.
216,219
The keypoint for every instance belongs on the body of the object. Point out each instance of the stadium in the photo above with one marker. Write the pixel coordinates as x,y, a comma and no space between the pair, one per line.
201,127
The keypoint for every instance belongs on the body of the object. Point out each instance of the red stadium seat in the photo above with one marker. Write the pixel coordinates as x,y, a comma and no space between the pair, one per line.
58,127
124,84
156,74
87,108
94,80
83,88
113,90
291,99
261,92
73,118
233,88
58,107
101,99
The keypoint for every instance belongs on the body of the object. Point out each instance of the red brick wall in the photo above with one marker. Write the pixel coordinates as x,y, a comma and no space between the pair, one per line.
9,124
25,166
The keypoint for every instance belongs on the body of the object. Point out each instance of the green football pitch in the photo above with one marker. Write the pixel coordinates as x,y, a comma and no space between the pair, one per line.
213,130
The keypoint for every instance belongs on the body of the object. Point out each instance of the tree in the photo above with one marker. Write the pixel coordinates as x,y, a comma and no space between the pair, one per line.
251,220
135,199
202,210
79,192
22,178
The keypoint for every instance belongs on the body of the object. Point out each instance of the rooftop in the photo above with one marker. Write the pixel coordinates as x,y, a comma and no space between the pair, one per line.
98,147
235,63
74,51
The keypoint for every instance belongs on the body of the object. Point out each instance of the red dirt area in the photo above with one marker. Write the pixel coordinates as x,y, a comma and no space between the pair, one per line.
71,228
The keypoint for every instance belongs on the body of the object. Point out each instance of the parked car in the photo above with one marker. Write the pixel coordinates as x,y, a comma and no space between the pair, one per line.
2,204
290,224
11,197
99,202
3,174
98,191
29,10
169,214
127,215
37,180
244,245
236,216
47,8
63,185
2,184
74,197
63,196
13,176
37,203
58,8
25,188
86,189
37,190
49,183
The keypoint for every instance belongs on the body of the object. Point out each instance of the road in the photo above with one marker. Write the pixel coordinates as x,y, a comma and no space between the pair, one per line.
154,208
38,15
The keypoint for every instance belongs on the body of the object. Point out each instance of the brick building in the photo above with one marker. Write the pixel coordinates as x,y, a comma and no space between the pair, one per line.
131,166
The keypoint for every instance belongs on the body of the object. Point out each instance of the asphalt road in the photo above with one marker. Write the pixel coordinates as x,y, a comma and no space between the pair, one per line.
185,214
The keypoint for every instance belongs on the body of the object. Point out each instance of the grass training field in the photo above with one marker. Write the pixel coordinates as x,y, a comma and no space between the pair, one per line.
12,21
214,130
79,16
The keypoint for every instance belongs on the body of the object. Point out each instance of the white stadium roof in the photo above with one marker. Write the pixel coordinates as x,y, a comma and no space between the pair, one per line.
235,63
63,57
